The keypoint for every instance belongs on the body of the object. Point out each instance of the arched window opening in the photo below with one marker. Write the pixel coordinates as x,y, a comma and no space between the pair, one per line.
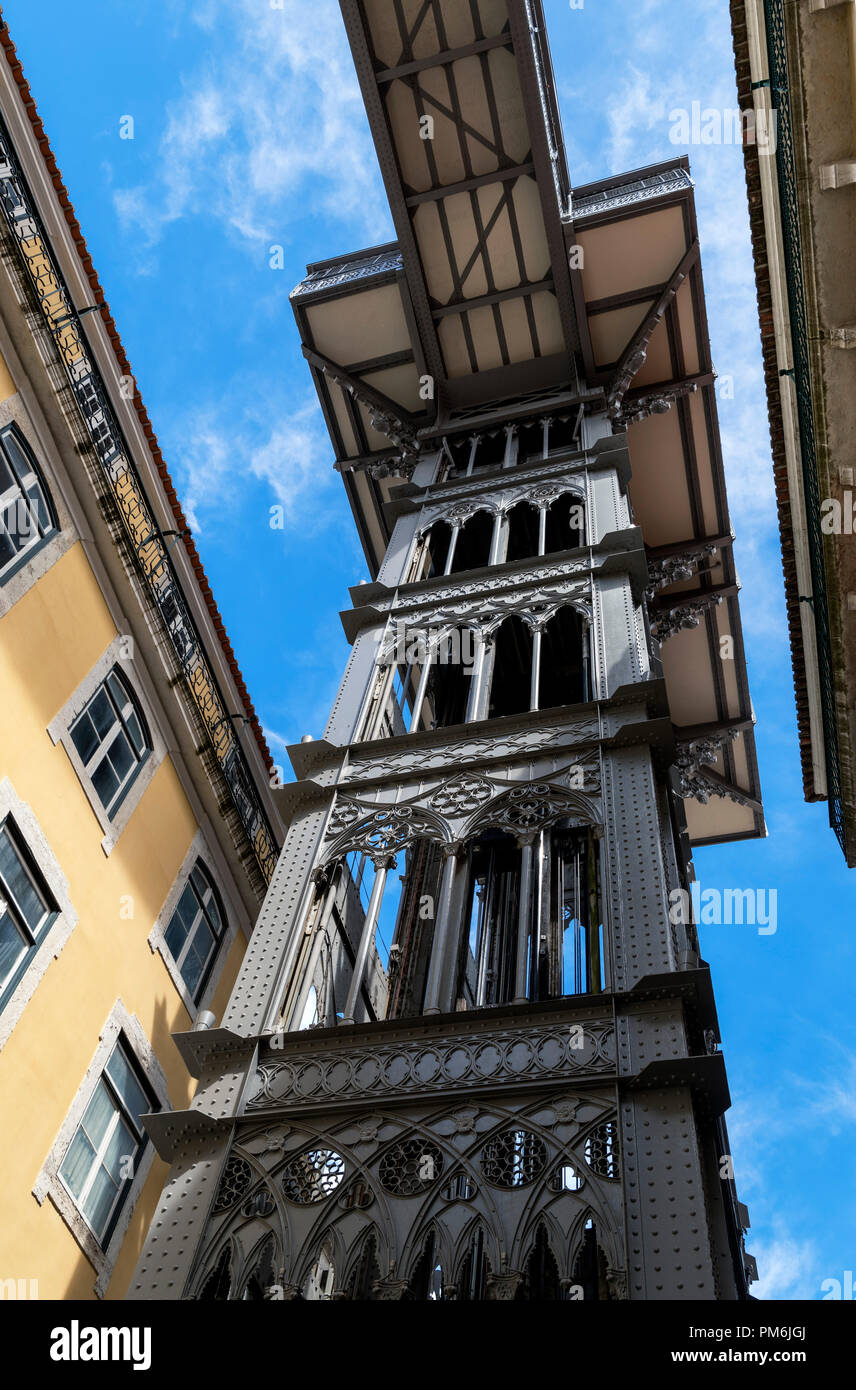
563,434
541,1279
219,1282
426,1284
371,998
399,915
322,1280
450,680
490,938
523,524
565,524
390,908
262,1277
392,715
563,674
530,441
414,931
472,1280
405,682
490,450
568,954
366,1272
457,450
27,517
472,548
511,685
590,1268
436,550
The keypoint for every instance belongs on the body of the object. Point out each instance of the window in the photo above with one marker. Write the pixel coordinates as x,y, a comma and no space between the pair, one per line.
27,910
491,922
109,730
101,1160
83,1176
197,925
195,930
111,740
27,517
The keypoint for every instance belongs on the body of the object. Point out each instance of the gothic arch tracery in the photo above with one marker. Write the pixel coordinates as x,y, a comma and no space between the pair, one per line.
530,807
383,833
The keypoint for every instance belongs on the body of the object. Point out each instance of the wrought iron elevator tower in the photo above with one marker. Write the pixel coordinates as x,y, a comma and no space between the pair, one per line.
473,1051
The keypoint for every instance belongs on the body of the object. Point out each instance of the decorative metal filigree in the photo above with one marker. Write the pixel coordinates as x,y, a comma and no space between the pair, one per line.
360,268
601,1150
527,809
260,1204
358,1196
683,616
658,403
548,493
410,1167
344,814
513,1159
676,569
399,432
626,194
691,760
459,1188
312,1176
565,1178
385,834
565,1111
237,1176
461,796
528,806
464,1120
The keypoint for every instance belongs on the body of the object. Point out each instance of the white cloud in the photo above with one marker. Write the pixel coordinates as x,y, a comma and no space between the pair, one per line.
269,127
218,447
787,1268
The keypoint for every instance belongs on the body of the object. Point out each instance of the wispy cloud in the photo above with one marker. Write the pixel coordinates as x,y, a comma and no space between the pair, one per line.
269,127
787,1268
220,447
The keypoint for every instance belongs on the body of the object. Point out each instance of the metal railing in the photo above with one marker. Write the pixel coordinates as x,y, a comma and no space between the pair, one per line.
42,272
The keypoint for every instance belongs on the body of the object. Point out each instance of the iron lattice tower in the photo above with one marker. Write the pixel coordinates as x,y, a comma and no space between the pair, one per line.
472,1051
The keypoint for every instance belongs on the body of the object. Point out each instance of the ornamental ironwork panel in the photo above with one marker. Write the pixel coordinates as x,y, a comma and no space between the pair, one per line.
513,1159
312,1176
237,1176
601,1150
137,516
626,194
410,1167
360,268
428,1066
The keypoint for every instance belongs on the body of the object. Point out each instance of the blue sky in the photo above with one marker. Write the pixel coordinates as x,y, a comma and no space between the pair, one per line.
249,132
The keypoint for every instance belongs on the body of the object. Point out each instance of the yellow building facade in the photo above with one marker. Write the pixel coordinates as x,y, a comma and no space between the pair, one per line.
137,825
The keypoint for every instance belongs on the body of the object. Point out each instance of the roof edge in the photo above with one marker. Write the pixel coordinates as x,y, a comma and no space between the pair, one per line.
108,321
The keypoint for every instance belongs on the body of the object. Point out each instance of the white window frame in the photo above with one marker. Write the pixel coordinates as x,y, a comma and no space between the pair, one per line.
120,708
63,924
198,851
50,1185
44,556
59,731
